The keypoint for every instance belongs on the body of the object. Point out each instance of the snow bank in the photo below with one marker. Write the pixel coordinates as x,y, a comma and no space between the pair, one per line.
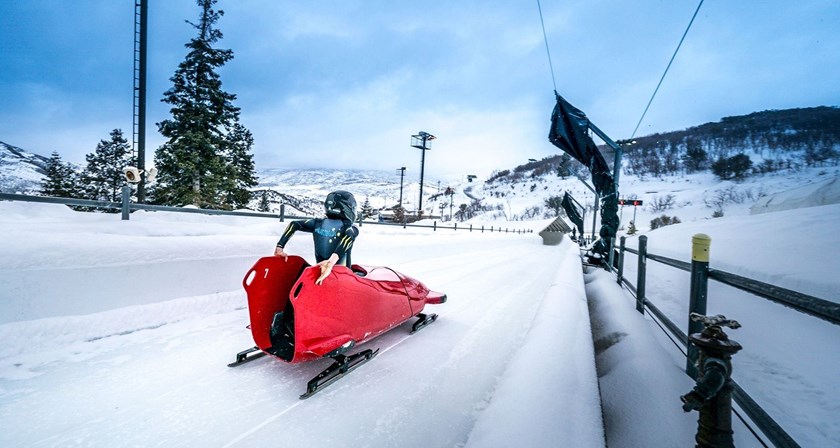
760,247
58,262
42,293
820,193
634,372
548,396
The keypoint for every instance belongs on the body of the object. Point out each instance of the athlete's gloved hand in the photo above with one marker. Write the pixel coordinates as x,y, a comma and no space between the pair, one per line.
278,252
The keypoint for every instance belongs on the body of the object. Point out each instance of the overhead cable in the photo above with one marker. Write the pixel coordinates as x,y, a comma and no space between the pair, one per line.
666,69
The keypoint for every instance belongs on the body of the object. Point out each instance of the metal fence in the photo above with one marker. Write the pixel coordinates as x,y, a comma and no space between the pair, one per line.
126,207
701,273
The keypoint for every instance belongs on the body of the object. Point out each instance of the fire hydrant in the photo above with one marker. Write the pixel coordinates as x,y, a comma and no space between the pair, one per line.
712,395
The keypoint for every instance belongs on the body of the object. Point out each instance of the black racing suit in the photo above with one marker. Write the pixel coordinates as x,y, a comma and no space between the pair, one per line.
331,236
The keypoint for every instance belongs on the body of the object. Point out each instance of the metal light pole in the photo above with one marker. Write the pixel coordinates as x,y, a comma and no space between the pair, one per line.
141,14
402,176
420,141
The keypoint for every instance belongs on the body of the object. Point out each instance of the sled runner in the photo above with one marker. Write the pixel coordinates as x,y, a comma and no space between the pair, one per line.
296,320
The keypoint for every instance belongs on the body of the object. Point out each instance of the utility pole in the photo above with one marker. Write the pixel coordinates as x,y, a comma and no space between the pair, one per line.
422,141
451,192
402,176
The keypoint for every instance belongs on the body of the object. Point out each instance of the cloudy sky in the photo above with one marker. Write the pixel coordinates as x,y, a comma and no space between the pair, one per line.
344,84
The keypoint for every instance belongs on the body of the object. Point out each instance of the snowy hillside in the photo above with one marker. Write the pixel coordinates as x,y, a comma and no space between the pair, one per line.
303,189
380,188
691,198
20,171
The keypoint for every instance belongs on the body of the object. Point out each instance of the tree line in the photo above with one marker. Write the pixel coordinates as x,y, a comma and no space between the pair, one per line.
778,139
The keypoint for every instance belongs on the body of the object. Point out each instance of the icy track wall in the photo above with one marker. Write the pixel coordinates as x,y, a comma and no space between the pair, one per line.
549,393
38,293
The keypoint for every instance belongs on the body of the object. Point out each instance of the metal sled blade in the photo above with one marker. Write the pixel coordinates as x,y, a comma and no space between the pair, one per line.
422,321
243,356
340,368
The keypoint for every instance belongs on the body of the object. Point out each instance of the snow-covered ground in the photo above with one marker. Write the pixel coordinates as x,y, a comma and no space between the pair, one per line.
154,372
117,333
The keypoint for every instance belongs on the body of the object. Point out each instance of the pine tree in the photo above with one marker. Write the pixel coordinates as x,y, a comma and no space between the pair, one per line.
61,180
631,230
695,156
367,210
265,204
399,214
555,204
102,178
206,160
241,177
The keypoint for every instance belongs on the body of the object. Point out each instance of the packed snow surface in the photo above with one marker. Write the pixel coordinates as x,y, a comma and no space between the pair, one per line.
117,333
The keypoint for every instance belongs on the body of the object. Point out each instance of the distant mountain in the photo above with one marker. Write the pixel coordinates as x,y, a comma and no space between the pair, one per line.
305,189
20,171
302,190
319,182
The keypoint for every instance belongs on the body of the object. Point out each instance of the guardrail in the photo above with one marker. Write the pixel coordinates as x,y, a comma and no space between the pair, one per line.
700,274
126,206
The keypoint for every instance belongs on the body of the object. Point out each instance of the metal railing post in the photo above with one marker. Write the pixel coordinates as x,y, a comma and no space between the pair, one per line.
282,212
700,244
640,279
126,202
434,226
621,259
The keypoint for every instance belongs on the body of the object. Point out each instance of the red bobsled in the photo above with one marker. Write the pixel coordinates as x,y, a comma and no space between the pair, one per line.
296,320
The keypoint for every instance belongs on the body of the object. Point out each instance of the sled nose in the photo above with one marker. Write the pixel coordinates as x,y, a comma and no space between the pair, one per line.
435,298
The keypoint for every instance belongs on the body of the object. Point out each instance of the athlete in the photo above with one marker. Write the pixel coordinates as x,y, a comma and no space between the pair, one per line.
333,235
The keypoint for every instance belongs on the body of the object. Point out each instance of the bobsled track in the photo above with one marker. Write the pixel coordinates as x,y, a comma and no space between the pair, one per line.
159,378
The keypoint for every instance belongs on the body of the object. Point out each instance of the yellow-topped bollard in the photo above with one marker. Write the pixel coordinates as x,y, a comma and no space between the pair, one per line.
700,244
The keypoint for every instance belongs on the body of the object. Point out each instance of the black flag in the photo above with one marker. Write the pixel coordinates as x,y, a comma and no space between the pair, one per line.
569,132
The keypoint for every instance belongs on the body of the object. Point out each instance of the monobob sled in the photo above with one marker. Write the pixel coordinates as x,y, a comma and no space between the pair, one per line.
295,320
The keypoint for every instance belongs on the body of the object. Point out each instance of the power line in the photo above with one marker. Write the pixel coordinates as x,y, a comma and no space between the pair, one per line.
666,69
545,37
